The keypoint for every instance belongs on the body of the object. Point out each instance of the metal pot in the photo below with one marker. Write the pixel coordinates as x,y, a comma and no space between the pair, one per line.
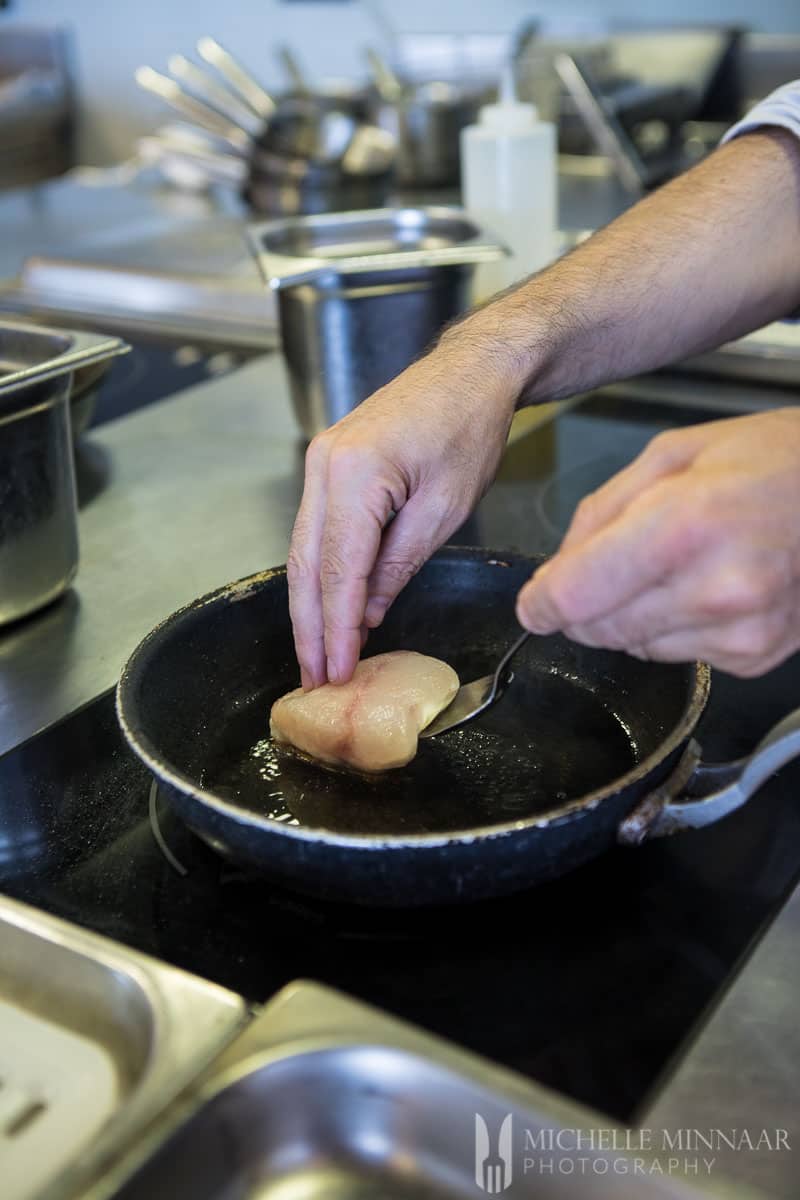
38,509
283,186
427,119
361,295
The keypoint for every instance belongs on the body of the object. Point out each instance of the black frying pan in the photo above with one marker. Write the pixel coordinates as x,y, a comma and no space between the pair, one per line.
534,787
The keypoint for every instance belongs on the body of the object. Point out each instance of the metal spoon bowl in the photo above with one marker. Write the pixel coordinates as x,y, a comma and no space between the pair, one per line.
473,698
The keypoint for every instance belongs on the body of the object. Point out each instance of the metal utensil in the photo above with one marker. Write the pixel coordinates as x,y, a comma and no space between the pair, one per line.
191,166
371,150
291,65
214,94
390,87
232,71
173,94
426,119
293,187
473,698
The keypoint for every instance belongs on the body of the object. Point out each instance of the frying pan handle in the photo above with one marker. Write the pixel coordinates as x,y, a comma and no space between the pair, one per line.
698,794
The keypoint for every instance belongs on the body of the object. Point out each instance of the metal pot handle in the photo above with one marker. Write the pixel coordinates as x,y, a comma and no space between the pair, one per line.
698,794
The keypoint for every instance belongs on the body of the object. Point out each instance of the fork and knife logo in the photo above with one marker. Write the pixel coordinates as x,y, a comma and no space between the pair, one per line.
493,1164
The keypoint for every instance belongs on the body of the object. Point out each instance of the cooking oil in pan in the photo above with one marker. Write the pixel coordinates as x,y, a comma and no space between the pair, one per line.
549,740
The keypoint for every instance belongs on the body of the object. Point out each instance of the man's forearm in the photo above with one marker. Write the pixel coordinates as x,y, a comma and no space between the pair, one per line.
709,257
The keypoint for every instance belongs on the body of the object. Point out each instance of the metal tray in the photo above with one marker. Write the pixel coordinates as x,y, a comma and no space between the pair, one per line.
103,1039
228,308
32,354
300,249
326,1099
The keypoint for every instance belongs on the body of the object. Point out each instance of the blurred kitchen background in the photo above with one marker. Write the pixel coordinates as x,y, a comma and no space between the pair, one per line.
109,41
138,141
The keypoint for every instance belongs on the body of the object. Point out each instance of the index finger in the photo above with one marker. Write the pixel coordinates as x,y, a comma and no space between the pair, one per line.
355,516
662,457
303,572
586,582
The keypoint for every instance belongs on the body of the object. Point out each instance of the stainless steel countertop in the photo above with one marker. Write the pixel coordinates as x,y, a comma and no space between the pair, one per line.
199,489
69,218
743,1070
67,215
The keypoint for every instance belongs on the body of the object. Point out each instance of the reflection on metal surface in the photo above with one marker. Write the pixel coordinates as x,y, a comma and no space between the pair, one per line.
325,1096
221,308
38,510
361,295
152,804
137,1030
202,489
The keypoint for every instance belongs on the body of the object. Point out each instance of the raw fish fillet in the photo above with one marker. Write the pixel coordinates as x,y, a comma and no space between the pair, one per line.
372,722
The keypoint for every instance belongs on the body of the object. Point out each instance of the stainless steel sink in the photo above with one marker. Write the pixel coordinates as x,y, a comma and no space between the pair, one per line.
95,1040
322,1098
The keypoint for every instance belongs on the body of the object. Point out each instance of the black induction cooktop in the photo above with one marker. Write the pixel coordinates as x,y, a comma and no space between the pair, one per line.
590,984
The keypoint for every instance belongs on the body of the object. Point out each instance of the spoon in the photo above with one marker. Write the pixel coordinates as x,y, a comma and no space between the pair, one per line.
473,698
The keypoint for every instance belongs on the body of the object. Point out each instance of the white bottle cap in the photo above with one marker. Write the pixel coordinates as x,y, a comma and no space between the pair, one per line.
509,114
511,118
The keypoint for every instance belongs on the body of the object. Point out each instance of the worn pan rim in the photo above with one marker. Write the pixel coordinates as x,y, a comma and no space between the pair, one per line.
241,589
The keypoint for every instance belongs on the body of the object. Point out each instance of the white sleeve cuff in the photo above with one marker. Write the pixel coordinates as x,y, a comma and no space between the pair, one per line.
781,109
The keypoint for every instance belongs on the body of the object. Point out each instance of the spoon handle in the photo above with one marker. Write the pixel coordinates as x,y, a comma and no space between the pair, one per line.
506,659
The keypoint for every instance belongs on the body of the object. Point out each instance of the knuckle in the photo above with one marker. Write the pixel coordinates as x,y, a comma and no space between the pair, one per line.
663,447
739,592
317,451
348,457
298,567
335,629
400,570
333,566
685,531
585,513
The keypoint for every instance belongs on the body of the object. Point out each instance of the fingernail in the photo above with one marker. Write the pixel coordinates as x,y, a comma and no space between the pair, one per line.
333,671
527,613
374,613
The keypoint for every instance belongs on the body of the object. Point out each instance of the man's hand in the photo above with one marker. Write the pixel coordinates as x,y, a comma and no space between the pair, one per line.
700,261
423,448
691,552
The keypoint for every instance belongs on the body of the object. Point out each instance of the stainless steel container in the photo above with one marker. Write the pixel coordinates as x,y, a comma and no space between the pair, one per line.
427,120
38,509
97,1040
279,186
362,294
